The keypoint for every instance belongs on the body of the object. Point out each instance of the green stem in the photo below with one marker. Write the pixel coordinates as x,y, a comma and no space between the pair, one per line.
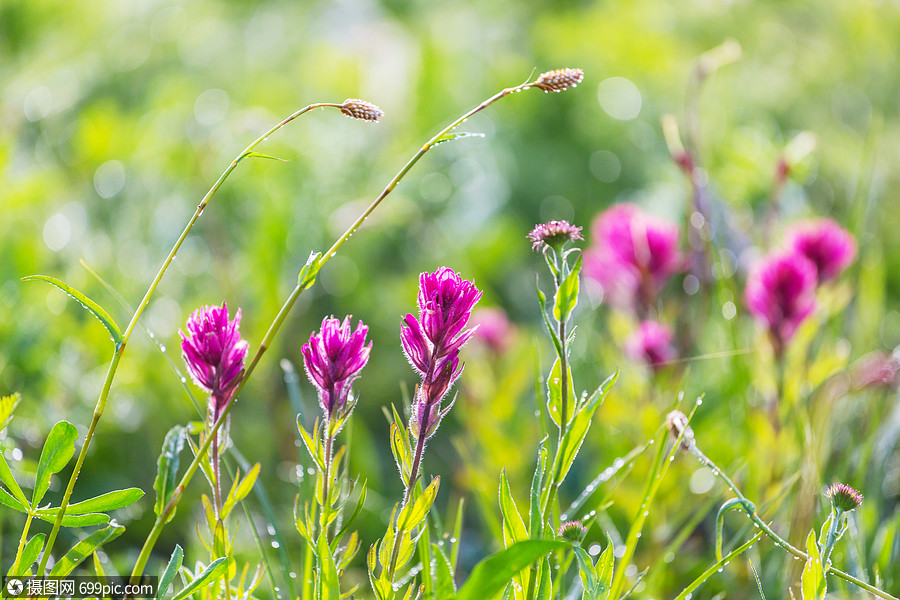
326,506
777,539
15,568
831,538
120,349
144,555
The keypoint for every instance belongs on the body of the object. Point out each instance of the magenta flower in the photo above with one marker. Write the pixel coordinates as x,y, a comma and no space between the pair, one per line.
780,293
633,256
333,358
492,328
830,247
432,342
554,234
214,353
651,343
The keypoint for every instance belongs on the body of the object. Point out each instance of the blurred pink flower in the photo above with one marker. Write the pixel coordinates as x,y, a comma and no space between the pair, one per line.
876,369
493,328
830,247
651,343
780,293
633,256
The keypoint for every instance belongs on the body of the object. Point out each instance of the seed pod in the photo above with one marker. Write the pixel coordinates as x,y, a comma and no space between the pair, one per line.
559,80
360,109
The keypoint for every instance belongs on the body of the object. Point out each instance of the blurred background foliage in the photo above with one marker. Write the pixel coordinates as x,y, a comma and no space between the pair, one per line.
115,117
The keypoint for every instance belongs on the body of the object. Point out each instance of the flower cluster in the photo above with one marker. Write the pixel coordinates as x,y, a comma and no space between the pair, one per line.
333,359
214,353
633,256
780,291
432,342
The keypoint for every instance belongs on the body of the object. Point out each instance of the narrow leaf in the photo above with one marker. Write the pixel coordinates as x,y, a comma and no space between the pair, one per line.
105,502
31,552
567,294
242,490
492,574
58,450
554,393
83,549
512,520
7,406
86,520
6,477
812,581
215,569
535,522
328,577
167,468
444,586
168,575
578,429
307,276
89,305
542,300
415,512
259,155
349,521
449,137
604,569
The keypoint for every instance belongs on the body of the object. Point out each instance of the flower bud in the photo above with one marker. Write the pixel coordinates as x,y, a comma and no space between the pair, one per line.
573,531
843,497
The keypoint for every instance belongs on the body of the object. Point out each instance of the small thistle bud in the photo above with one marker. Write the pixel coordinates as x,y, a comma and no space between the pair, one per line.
677,422
843,497
360,109
574,531
559,80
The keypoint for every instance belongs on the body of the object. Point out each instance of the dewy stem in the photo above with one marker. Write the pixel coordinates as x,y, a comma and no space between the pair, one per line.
120,349
144,555
777,539
326,507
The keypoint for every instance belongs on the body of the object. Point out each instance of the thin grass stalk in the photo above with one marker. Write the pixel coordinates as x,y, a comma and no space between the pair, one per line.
126,336
149,543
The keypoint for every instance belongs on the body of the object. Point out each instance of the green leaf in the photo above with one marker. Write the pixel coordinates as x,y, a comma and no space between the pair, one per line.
258,155
307,276
567,294
415,512
86,520
449,137
513,524
544,585
492,574
349,521
30,553
58,450
89,305
312,446
243,488
167,468
578,429
7,406
535,522
328,577
105,502
586,571
215,569
7,500
542,300
604,569
444,584
7,478
85,548
168,575
554,393
812,581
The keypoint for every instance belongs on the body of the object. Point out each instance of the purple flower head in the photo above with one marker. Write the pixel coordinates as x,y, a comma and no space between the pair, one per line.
651,343
554,234
634,255
214,352
780,293
432,341
826,244
333,358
